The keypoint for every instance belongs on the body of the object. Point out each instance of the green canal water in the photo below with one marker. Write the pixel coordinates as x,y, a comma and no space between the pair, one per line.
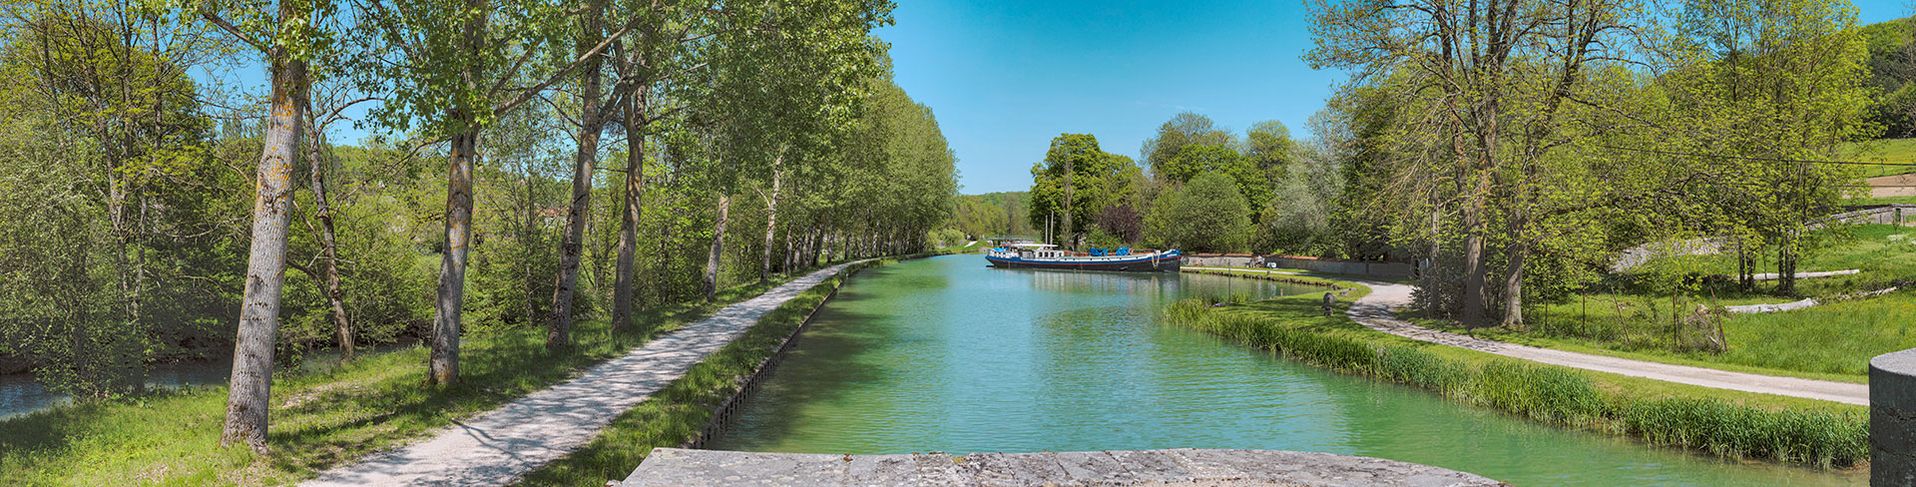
944,354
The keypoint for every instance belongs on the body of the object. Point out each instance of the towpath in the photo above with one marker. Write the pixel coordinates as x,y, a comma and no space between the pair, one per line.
500,446
1374,311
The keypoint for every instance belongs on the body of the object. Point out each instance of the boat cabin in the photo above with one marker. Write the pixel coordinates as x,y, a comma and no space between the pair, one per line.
1029,250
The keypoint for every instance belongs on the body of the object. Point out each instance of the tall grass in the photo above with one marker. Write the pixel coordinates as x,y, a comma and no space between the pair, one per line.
1545,393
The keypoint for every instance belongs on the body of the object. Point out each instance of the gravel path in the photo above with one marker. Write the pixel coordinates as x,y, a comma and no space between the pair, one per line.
498,447
1374,311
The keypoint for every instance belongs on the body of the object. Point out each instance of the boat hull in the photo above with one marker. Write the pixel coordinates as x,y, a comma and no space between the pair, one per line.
1160,264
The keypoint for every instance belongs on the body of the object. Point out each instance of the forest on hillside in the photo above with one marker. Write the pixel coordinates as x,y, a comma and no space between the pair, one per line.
527,165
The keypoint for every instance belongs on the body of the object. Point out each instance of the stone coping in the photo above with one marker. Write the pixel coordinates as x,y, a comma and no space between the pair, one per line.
1892,419
1191,467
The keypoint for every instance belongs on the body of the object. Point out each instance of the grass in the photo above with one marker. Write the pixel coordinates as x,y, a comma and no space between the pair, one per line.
1279,275
677,414
319,419
1882,150
1833,341
1726,423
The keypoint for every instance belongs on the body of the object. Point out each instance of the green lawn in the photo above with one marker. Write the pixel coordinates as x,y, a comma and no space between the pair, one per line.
319,419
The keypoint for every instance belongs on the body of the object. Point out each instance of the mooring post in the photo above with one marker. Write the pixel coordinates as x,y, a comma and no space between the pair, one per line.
1892,419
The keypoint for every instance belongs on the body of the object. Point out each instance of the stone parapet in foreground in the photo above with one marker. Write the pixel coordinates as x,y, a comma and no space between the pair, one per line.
679,467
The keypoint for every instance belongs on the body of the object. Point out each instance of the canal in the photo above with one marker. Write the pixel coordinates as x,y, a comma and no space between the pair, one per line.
945,354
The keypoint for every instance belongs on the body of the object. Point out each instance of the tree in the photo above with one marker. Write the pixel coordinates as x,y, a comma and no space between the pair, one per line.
104,121
1206,215
1269,147
592,110
1491,80
1298,217
449,72
1181,130
1098,179
1764,85
289,41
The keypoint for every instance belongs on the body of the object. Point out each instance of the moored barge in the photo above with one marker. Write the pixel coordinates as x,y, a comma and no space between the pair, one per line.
1050,257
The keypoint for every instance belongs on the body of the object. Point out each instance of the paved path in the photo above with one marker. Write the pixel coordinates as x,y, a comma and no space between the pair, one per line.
498,447
1374,311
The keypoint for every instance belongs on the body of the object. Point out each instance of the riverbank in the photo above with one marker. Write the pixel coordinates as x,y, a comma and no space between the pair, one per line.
320,419
1719,422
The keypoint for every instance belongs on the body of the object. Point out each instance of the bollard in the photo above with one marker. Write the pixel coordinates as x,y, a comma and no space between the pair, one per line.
1329,303
1892,419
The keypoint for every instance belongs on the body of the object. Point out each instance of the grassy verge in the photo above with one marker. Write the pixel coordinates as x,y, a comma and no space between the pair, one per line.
1725,423
1292,277
319,419
678,413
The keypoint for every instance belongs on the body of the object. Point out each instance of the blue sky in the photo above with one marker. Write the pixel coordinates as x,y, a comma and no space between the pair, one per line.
1005,77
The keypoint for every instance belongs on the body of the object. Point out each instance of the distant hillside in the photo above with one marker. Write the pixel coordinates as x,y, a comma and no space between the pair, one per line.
989,214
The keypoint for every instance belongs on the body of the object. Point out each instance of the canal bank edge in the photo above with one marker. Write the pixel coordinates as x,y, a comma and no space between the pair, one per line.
1724,423
692,408
743,386
691,468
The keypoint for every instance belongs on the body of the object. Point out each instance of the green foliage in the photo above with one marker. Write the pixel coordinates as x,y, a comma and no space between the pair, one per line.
994,214
1207,215
108,263
1099,180
1182,130
1892,64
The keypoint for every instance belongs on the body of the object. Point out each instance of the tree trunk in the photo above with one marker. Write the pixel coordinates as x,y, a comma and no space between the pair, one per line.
718,247
559,326
1070,231
635,106
444,365
1474,269
1786,265
771,221
328,245
250,387
1513,287
442,368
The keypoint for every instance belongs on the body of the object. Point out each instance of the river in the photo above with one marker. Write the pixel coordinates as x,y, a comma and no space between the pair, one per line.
945,354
